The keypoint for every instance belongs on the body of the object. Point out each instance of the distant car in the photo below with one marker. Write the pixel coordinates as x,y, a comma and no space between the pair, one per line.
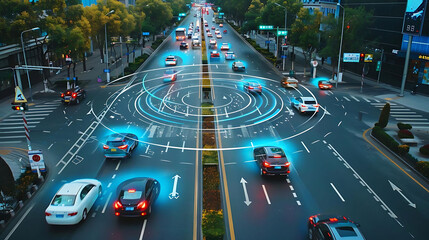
170,75
184,45
238,66
120,145
271,160
73,95
190,34
305,104
207,29
218,36
214,54
252,87
221,25
213,20
206,24
229,55
213,43
213,28
217,31
73,201
171,61
224,46
136,197
225,31
324,85
196,37
209,34
246,36
323,226
289,82
196,44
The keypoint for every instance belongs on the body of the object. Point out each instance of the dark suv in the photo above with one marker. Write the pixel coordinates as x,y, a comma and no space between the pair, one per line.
73,95
271,160
331,227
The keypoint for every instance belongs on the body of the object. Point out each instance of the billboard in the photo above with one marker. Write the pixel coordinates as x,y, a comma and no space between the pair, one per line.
413,18
351,57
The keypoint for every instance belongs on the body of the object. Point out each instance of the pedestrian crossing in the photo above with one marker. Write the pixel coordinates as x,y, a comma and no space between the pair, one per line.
405,115
12,127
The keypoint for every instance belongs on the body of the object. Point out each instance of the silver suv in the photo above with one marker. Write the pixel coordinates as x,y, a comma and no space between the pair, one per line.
331,227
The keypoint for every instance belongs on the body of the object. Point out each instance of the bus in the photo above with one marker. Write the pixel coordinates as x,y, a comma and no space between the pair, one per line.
180,34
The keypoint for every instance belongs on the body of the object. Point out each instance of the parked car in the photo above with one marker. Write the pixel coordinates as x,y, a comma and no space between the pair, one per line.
289,82
73,95
72,203
271,160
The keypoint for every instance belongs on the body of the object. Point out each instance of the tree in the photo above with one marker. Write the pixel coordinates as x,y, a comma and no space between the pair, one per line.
252,16
384,116
158,15
272,14
305,31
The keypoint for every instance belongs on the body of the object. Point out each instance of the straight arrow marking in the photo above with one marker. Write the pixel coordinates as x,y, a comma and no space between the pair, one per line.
174,194
396,188
243,182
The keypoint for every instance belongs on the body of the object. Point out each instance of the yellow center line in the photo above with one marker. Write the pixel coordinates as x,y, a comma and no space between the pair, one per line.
225,184
364,136
196,184
117,85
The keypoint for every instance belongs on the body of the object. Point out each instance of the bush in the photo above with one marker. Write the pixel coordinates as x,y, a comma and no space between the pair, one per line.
24,183
213,225
404,126
424,150
132,67
404,133
157,42
384,116
423,168
385,138
403,149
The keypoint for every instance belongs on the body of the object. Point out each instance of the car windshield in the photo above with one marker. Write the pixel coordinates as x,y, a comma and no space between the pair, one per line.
169,72
239,64
324,82
278,151
131,195
63,200
346,231
253,84
310,102
115,143
170,58
230,53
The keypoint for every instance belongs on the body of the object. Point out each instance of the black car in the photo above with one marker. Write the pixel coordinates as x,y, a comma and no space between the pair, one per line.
184,45
272,161
330,227
136,197
73,95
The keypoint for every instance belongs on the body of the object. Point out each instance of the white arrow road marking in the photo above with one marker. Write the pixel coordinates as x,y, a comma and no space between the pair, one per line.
395,188
324,109
224,97
243,182
174,194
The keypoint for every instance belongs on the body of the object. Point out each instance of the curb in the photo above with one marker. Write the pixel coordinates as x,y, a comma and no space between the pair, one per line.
401,159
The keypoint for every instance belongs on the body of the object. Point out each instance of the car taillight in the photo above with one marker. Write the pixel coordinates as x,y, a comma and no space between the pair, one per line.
123,147
72,214
333,219
142,205
260,87
250,87
266,164
302,105
316,105
287,164
48,214
62,94
117,205
74,95
106,147
320,86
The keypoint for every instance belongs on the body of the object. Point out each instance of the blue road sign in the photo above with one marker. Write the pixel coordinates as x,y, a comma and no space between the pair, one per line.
145,33
284,56
267,41
106,70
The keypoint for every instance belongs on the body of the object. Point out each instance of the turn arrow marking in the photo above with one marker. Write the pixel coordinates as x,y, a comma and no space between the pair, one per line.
395,188
324,109
247,202
174,193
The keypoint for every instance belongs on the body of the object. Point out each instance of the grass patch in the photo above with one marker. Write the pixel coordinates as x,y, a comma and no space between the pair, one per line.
207,108
213,225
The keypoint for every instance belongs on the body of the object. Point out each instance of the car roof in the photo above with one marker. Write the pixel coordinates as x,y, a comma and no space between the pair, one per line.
253,83
343,229
71,188
268,149
171,56
238,63
230,52
214,51
116,137
324,82
170,71
308,99
225,43
136,183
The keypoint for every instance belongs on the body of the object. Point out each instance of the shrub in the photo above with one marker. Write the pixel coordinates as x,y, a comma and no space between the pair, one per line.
424,150
213,225
423,168
404,126
384,116
403,149
385,138
404,133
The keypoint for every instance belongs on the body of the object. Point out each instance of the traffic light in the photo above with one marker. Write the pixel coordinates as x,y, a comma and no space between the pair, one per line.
348,26
21,107
362,57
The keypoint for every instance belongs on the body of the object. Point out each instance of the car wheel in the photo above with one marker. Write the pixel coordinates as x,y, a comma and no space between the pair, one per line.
77,101
100,191
310,233
84,215
129,154
149,211
261,173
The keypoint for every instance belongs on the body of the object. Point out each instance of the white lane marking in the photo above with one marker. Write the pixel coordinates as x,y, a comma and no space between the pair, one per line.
346,98
143,228
163,160
291,187
147,148
294,195
339,123
251,143
117,166
105,205
357,100
298,202
108,185
183,146
266,194
412,119
69,124
8,137
366,99
338,193
327,134
114,175
315,141
337,99
287,180
226,113
19,222
18,119
402,112
50,146
305,146
258,111
250,161
46,131
17,123
404,115
168,145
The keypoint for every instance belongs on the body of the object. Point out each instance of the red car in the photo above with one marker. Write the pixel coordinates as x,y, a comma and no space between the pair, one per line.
225,31
213,28
73,95
214,54
324,85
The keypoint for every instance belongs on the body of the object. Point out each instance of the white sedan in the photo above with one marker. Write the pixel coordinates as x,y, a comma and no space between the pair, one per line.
305,104
73,201
219,36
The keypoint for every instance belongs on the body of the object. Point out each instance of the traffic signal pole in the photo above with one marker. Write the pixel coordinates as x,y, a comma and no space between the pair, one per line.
27,132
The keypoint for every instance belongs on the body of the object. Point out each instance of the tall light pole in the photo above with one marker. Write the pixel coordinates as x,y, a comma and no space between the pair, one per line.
107,50
341,46
25,59
284,59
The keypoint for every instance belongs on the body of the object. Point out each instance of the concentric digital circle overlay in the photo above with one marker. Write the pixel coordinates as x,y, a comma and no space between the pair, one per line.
177,104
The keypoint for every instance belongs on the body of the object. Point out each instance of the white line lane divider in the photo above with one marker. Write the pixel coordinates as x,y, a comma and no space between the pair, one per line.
117,166
338,193
305,146
266,194
143,228
107,202
19,222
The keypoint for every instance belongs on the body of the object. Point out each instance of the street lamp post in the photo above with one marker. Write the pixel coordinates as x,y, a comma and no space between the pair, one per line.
107,50
25,59
284,59
341,46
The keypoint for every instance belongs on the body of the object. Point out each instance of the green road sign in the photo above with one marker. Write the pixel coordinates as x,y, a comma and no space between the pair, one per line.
378,66
281,33
266,27
182,14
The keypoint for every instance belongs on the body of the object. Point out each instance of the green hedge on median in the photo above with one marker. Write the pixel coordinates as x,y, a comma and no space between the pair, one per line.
132,67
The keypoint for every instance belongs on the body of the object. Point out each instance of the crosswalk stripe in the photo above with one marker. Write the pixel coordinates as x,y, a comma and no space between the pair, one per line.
33,115
376,100
405,112
20,127
346,98
35,112
12,132
4,142
17,123
412,119
357,100
7,137
28,119
366,99
403,115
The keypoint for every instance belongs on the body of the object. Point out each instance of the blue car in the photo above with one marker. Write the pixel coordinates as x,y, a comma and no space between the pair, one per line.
120,145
